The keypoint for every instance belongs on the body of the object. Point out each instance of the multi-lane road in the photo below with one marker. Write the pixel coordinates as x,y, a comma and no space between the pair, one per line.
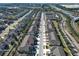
42,36
47,35
40,32
68,36
63,27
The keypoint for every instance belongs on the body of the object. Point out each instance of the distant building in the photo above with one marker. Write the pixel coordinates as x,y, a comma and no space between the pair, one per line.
51,16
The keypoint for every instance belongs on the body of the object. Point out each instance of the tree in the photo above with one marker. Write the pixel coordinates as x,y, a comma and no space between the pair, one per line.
6,46
12,42
15,37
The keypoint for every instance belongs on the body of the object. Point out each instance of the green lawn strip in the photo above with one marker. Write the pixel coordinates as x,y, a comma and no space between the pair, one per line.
67,50
68,21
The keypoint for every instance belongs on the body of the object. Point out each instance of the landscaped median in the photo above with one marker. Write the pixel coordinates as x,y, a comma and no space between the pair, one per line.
71,29
69,26
66,49
77,24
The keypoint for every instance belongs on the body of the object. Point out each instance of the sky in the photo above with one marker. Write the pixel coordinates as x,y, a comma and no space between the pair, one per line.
71,6
39,1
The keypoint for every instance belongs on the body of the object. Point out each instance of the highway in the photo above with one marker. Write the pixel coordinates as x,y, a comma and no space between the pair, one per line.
67,35
41,51
73,18
42,32
47,35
